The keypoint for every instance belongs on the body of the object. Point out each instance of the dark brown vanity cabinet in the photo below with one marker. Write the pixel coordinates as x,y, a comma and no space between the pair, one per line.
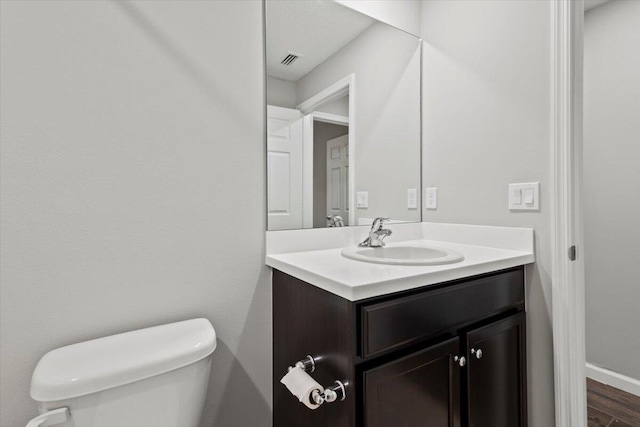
422,389
496,374
446,355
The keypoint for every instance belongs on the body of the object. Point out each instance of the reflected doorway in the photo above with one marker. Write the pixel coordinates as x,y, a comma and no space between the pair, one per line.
330,174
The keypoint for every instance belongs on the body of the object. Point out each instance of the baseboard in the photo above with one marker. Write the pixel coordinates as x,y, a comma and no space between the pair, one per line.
614,379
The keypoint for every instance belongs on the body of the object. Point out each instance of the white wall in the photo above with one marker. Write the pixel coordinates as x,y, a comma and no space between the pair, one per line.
612,185
486,123
281,93
338,106
132,186
386,63
402,14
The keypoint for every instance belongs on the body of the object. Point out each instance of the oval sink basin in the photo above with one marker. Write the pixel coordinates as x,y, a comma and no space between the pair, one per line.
404,255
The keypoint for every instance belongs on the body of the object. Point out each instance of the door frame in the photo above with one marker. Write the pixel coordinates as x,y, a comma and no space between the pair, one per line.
307,159
567,223
340,88
319,116
329,194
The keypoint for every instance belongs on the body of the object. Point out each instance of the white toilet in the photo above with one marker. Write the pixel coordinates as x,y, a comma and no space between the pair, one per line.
155,377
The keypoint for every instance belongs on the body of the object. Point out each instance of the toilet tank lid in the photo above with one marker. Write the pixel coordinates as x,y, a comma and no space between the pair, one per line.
103,363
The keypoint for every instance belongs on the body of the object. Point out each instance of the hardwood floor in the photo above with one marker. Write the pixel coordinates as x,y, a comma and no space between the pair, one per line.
609,407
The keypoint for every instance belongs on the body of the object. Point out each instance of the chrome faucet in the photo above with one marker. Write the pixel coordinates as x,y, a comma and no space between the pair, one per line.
335,221
376,234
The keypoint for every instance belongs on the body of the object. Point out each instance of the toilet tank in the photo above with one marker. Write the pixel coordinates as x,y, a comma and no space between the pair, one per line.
149,377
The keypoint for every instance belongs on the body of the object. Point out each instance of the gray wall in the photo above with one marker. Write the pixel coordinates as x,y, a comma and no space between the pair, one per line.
322,132
281,93
338,106
612,185
386,63
133,186
486,123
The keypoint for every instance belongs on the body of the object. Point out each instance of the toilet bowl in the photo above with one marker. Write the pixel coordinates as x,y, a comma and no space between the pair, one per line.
154,377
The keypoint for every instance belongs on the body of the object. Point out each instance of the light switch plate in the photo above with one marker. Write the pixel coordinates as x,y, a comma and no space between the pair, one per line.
431,198
524,196
412,198
362,199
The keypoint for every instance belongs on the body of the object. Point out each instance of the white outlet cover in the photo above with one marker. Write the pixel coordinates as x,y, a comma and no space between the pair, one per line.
362,199
524,196
431,198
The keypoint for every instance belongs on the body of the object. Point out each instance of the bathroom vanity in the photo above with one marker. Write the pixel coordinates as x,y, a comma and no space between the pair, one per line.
451,354
434,346
414,342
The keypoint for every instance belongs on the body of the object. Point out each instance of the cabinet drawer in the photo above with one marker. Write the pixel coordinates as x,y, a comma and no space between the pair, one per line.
401,321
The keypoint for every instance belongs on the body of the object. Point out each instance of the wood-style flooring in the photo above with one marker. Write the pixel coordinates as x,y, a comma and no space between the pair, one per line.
609,407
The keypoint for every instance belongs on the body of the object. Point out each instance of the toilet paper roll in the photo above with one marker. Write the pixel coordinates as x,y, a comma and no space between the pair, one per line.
301,385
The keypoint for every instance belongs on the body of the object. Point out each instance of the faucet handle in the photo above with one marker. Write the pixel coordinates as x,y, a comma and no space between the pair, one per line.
376,234
379,222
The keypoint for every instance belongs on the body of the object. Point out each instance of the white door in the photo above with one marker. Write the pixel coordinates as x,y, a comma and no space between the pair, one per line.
338,177
284,168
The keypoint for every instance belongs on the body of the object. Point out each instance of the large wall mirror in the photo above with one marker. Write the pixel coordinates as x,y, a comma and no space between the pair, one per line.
343,117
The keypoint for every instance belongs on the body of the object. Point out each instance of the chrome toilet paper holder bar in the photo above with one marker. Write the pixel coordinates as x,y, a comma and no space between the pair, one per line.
336,391
308,364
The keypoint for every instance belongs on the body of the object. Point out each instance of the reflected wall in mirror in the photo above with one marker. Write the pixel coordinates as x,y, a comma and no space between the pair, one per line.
343,117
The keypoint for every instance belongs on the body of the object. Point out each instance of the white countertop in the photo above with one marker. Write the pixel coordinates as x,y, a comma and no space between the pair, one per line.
356,280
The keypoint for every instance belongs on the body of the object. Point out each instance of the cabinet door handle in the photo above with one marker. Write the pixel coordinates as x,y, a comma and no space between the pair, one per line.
461,360
477,352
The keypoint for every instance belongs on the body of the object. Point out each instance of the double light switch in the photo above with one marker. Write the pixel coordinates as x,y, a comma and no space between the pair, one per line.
524,196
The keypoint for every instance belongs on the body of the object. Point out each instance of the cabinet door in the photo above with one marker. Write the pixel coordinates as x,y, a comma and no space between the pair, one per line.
496,376
422,389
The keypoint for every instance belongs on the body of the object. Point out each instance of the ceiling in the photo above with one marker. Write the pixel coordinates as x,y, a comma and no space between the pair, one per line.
314,30
590,4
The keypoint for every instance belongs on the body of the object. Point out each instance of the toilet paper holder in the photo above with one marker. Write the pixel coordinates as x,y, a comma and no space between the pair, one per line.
336,391
308,364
